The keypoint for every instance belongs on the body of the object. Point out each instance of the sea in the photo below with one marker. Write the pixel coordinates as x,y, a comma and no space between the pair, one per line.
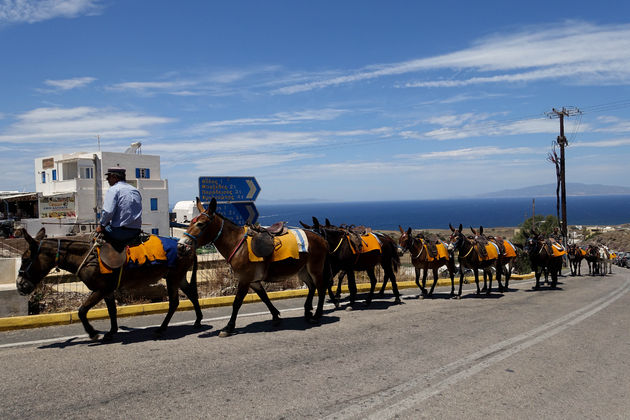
600,210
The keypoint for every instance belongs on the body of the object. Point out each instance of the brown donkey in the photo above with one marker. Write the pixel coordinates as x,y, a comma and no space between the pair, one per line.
230,240
422,260
79,257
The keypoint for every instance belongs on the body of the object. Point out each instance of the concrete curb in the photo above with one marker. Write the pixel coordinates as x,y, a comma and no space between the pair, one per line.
63,318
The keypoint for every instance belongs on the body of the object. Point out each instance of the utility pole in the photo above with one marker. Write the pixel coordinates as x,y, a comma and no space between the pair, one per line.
562,142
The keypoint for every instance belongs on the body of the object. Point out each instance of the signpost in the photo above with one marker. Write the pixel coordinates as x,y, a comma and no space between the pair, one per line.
235,196
228,188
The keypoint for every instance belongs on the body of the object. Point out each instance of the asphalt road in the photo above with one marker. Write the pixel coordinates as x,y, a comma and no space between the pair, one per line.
561,354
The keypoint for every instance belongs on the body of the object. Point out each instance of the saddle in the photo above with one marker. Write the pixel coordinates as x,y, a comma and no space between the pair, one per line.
115,255
263,244
498,241
431,246
110,256
481,242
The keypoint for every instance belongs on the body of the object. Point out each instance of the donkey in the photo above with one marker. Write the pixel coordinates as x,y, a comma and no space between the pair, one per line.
81,258
543,258
470,257
422,260
230,240
576,255
346,259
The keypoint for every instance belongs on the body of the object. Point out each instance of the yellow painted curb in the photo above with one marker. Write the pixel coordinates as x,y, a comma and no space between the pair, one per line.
34,321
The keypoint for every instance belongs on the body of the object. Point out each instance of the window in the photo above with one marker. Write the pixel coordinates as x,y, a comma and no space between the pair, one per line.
154,204
155,231
43,177
54,174
88,172
143,173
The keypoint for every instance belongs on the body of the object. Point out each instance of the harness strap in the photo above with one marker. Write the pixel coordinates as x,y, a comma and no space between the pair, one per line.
421,249
339,244
469,251
238,245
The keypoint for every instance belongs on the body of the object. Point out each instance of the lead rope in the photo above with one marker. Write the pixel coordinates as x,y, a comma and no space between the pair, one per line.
87,254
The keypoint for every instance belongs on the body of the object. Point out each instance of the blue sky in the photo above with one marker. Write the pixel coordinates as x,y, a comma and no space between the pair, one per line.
325,100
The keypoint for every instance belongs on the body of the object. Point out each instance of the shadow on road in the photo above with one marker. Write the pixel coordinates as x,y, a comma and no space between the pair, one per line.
128,335
296,323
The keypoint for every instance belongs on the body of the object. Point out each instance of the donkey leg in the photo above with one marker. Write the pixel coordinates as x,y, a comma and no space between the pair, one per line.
113,320
94,298
352,287
390,273
384,285
476,271
372,277
193,295
420,286
461,280
489,290
340,277
435,280
262,294
173,303
241,292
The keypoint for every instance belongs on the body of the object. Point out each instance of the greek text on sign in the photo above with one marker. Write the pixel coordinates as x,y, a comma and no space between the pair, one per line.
226,188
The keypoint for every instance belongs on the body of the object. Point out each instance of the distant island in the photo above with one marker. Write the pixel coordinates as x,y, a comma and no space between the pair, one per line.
549,190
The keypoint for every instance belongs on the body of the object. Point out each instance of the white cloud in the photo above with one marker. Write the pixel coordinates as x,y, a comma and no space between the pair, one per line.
31,11
477,125
579,51
67,84
240,162
65,124
281,118
473,153
601,143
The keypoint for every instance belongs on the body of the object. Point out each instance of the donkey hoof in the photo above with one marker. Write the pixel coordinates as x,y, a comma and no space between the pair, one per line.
95,336
225,333
276,321
109,336
397,300
349,308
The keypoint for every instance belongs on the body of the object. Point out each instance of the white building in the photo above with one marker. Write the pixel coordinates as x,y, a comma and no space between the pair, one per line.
72,188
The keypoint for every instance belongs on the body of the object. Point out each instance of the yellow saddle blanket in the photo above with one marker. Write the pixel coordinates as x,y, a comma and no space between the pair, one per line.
510,250
441,249
149,251
558,249
285,246
492,250
369,243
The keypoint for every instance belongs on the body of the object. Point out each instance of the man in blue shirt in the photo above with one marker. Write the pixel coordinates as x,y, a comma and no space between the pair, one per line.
121,219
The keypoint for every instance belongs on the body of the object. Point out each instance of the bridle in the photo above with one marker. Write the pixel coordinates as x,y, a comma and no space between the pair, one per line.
195,238
24,272
409,243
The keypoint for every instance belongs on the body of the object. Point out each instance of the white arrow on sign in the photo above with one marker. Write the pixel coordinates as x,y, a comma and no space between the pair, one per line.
252,189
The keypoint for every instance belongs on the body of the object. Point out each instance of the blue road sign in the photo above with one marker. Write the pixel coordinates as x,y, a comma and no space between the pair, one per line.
239,213
228,188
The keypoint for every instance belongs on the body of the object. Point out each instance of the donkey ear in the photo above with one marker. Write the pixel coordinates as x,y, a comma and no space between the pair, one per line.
305,226
212,208
472,229
451,226
481,230
401,229
200,205
409,232
328,222
460,227
41,234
